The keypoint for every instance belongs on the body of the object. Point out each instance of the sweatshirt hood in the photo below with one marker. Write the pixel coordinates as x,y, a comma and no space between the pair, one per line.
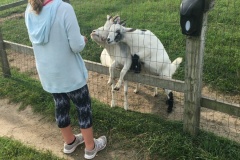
39,25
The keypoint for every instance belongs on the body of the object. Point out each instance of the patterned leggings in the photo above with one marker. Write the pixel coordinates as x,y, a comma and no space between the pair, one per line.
82,102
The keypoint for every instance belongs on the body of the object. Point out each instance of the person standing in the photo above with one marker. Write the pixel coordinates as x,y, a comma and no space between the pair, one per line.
57,42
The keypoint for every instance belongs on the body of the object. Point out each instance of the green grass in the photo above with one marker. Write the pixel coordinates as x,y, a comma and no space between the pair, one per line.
149,135
4,2
221,59
11,11
14,150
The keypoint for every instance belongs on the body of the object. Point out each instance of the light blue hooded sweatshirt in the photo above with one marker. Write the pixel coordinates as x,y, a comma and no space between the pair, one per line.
57,42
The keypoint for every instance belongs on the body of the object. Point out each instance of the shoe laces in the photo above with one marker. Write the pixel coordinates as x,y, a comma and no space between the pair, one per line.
100,143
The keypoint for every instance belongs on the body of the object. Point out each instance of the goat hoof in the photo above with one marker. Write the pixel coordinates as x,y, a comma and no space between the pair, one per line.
135,91
155,95
113,104
116,89
169,110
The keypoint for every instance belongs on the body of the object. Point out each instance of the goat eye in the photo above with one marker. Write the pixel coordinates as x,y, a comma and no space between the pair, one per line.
118,31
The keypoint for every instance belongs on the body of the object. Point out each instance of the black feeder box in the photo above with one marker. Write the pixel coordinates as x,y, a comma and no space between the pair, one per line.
191,16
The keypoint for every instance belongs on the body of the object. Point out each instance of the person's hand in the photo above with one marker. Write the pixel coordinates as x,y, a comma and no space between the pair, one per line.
85,39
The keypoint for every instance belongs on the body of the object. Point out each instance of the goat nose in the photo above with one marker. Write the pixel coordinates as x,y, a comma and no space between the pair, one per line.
108,39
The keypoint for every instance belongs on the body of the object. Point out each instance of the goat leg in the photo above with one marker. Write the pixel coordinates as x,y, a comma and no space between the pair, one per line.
136,90
170,102
123,72
125,95
155,92
113,96
111,73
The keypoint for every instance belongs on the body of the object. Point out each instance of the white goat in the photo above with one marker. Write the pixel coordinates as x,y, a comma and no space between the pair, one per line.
120,54
150,51
113,56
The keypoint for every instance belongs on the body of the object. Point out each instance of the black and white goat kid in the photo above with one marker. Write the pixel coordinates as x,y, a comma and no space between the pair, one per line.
113,56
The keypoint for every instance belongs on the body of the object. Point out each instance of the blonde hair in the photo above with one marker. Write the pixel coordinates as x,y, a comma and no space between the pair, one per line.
37,5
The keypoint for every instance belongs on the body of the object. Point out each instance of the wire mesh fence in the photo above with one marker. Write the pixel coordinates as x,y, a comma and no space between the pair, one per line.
221,73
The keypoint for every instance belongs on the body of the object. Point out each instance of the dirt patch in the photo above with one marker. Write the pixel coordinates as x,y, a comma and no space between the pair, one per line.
13,16
29,128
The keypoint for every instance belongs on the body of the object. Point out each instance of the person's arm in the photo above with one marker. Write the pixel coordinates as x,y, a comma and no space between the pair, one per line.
75,39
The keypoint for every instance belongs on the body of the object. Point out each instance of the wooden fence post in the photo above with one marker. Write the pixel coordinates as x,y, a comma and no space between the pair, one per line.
3,57
193,77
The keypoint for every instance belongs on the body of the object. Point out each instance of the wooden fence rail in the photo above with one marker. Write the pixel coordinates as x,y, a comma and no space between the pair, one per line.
11,5
97,67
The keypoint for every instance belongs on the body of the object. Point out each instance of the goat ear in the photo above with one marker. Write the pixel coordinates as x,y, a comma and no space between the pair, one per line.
123,23
116,19
109,17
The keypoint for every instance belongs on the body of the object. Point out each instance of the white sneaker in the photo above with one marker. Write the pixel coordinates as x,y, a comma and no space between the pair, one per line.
100,144
70,148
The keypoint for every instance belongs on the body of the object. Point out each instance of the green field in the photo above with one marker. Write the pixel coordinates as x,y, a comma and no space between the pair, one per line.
4,2
221,59
149,135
